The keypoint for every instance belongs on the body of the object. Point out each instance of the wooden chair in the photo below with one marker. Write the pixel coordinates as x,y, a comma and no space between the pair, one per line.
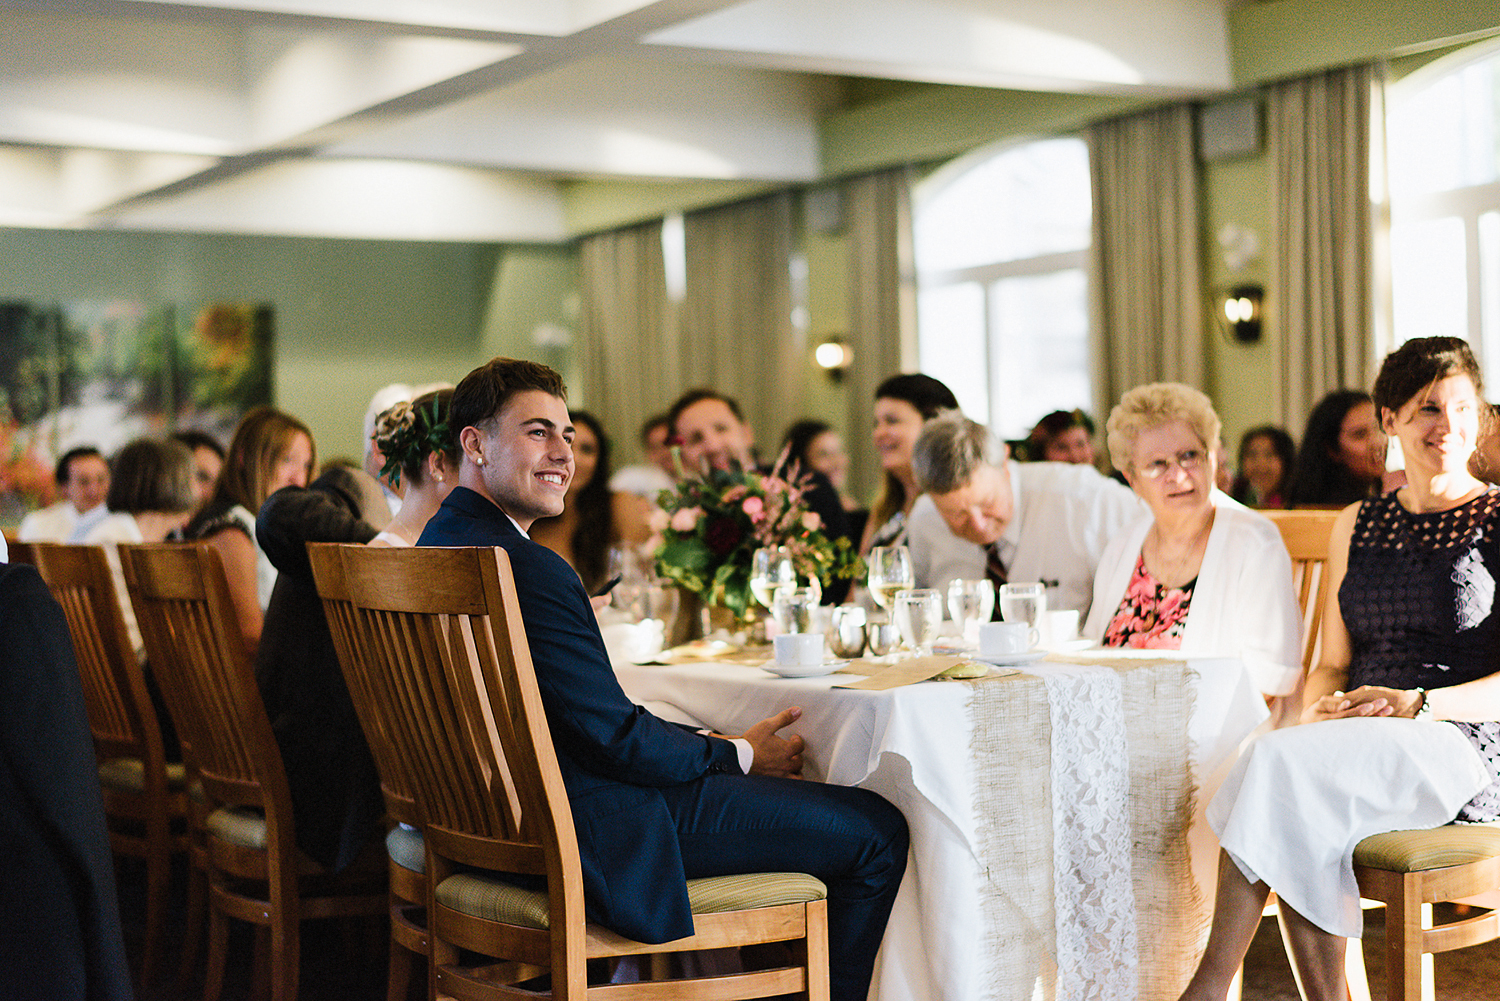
145,797
255,872
443,627
1305,534
370,695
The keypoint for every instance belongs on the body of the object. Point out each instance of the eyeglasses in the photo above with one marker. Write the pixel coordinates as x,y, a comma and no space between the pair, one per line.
1187,461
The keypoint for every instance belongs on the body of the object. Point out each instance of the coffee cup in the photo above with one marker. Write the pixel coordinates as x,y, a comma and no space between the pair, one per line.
1004,639
1058,627
799,649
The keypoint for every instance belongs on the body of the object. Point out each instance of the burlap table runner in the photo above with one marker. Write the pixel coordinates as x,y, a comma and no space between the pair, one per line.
1012,741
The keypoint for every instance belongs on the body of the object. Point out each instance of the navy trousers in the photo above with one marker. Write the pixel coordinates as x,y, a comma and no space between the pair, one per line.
851,839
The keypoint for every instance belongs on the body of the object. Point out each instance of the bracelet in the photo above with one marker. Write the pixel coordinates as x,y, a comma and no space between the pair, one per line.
1425,709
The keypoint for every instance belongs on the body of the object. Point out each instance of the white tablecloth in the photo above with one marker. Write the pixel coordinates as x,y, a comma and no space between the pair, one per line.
956,921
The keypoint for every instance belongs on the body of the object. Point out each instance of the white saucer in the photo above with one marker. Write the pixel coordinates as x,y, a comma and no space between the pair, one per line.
805,670
1011,659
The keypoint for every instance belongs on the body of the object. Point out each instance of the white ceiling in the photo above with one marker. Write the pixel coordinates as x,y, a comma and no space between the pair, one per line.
463,119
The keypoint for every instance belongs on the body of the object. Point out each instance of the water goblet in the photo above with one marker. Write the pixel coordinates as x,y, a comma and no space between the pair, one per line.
971,602
846,631
793,608
1024,602
919,615
890,571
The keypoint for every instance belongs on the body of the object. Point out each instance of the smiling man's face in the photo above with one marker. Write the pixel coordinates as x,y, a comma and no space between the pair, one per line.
524,456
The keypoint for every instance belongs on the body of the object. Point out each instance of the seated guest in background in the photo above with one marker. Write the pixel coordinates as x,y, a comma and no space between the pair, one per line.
1007,520
270,450
83,476
902,404
1063,436
1267,461
714,435
593,517
335,790
208,457
654,804
1342,459
60,937
1485,465
1192,575
382,400
658,472
816,445
151,495
421,457
1399,730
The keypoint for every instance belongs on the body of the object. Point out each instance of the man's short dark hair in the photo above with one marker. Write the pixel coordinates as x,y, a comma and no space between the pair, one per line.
82,451
698,395
484,392
195,439
948,452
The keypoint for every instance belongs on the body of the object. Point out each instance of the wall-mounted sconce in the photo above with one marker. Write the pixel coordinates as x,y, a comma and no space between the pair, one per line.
834,357
1240,308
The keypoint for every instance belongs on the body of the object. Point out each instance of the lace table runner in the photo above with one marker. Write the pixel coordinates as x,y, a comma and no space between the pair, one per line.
1083,798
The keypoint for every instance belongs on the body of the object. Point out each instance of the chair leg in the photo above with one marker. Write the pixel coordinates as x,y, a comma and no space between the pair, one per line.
286,955
1403,941
197,917
218,948
158,888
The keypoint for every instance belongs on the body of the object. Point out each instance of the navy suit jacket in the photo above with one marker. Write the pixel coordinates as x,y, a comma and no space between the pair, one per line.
613,754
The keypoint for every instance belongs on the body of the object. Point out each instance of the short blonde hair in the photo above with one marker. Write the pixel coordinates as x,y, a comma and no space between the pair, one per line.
1147,407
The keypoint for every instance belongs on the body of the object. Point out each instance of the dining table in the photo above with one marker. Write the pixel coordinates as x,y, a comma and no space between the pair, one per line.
1058,848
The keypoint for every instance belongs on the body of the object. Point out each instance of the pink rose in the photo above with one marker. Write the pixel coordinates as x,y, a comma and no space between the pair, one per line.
811,521
754,507
686,519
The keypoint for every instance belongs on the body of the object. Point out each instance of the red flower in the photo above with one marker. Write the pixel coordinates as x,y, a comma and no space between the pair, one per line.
722,535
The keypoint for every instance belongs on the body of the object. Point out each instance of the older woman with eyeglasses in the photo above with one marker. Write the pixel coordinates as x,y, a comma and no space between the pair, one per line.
1201,573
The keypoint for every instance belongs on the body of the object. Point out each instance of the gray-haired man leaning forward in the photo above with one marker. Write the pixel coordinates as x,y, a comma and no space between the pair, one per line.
983,515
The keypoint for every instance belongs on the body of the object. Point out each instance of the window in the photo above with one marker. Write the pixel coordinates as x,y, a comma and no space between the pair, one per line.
1001,243
1444,141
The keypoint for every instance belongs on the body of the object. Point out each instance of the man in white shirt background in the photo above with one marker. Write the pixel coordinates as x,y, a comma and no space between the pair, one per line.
83,476
1034,521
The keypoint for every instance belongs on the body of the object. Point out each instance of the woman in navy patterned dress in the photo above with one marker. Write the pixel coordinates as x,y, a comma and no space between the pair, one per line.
1399,728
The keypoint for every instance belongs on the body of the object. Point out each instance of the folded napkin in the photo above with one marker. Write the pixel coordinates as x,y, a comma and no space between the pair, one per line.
882,677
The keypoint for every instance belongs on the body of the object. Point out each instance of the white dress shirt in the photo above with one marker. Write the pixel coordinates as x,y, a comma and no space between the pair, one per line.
1064,515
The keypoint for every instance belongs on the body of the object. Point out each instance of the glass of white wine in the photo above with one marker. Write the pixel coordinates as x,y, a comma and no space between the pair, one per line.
919,615
971,602
1024,603
890,571
771,568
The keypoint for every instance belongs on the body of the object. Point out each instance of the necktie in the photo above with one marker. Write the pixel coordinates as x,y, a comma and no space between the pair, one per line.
994,570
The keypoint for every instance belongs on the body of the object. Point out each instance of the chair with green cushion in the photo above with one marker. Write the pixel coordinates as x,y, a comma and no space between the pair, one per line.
255,871
145,800
443,627
1409,870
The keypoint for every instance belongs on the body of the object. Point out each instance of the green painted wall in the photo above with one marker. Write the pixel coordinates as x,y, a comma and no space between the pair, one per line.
351,315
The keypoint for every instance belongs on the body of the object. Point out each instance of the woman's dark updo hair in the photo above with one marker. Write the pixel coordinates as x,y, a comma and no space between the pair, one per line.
927,394
1419,363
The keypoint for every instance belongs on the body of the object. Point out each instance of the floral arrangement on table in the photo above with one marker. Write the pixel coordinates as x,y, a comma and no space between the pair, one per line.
717,522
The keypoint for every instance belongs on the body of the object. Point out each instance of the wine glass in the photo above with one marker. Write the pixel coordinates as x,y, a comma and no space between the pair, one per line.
971,602
770,569
1024,603
919,614
890,571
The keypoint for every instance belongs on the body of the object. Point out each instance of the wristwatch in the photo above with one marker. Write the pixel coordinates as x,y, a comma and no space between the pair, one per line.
1425,709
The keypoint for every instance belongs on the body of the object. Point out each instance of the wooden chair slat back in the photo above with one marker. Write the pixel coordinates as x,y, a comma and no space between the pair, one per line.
188,624
368,690
445,625
1305,533
121,716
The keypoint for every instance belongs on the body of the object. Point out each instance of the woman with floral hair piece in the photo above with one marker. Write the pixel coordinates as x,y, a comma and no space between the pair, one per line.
421,452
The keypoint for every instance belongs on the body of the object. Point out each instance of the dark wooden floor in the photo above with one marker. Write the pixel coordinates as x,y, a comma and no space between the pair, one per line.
344,965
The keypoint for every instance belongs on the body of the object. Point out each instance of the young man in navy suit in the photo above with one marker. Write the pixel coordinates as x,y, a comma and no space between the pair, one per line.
654,804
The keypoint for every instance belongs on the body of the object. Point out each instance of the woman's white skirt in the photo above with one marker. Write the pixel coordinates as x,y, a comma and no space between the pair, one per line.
1300,799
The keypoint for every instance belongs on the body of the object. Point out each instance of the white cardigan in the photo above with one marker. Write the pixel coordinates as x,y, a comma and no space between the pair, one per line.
1243,606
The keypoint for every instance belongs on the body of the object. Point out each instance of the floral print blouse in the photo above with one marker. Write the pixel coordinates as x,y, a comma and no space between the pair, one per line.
1150,616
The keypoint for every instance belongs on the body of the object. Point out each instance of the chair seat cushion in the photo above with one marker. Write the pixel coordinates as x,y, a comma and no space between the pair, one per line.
1438,848
405,846
495,900
129,775
238,826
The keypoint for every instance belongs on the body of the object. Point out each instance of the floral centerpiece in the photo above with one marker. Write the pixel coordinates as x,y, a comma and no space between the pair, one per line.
717,522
